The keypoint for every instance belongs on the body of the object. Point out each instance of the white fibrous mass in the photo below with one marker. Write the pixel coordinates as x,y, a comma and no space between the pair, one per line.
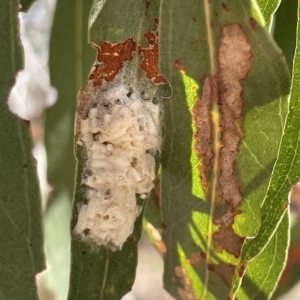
120,134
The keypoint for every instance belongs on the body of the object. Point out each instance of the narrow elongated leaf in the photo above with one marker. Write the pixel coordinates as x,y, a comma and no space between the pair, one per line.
117,137
68,50
268,9
69,62
263,271
223,128
21,251
285,173
285,29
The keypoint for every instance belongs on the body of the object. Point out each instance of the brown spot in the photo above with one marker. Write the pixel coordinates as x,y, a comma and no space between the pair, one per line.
242,270
226,239
148,2
203,120
194,19
224,270
150,62
235,63
225,7
194,42
195,259
252,23
179,64
212,25
164,226
113,56
156,193
187,292
223,91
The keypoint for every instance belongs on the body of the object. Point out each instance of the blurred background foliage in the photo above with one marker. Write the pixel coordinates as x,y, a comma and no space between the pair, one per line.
70,60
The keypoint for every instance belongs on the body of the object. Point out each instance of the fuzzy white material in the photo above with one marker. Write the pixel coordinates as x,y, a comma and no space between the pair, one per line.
121,136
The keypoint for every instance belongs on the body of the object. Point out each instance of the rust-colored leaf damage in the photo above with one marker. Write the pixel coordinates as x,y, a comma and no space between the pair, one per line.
218,117
111,59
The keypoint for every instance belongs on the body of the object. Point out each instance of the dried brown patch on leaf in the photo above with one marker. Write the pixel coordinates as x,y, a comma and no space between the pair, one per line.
196,258
203,120
111,58
180,65
253,23
225,90
225,271
156,193
225,7
235,63
150,62
147,3
226,239
186,293
218,115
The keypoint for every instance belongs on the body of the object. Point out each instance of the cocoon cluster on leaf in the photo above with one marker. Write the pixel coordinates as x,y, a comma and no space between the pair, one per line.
121,135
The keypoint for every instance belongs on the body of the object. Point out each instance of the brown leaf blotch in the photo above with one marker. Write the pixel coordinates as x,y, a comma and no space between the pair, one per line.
113,56
225,7
180,65
150,62
235,63
226,239
195,258
252,23
225,271
110,60
224,91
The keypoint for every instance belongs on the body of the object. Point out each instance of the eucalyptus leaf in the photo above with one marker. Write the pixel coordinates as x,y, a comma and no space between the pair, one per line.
102,272
203,250
21,236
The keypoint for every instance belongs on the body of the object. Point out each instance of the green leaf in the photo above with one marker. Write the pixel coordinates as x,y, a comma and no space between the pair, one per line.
21,252
285,172
101,272
69,63
70,59
263,272
206,230
268,9
285,29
